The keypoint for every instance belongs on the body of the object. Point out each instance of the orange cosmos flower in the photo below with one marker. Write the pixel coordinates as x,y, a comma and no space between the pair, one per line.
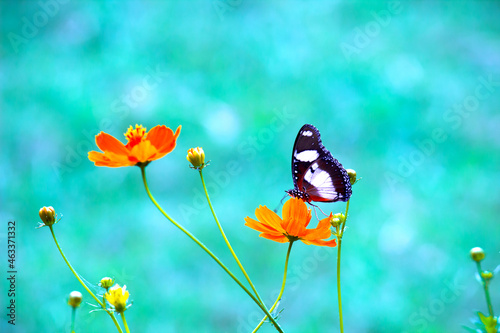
141,147
296,217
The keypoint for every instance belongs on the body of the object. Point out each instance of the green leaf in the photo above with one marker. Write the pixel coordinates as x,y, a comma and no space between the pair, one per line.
490,323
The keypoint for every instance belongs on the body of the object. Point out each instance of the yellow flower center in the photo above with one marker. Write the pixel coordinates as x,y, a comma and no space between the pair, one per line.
135,135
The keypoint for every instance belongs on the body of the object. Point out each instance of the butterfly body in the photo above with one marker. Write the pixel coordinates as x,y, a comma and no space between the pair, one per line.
317,175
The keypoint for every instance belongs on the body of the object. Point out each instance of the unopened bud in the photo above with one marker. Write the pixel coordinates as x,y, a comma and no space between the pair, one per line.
48,215
106,282
196,156
487,275
75,298
477,254
352,176
337,219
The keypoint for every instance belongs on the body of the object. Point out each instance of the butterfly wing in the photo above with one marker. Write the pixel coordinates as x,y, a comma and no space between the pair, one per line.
317,175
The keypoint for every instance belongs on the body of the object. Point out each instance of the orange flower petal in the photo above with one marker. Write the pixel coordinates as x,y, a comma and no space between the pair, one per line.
251,223
296,216
295,210
330,243
267,216
163,138
158,135
108,159
143,151
279,239
108,143
322,231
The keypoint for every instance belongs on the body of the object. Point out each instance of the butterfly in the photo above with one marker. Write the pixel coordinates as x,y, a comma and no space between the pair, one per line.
317,175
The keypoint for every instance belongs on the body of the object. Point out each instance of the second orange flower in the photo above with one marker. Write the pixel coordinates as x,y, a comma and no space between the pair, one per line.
296,217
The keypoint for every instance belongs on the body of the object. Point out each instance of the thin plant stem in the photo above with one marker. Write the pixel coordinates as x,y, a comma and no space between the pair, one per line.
83,284
125,322
200,244
339,246
73,313
339,249
486,290
281,291
227,241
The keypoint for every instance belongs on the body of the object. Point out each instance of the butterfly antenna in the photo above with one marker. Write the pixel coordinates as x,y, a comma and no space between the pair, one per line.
279,205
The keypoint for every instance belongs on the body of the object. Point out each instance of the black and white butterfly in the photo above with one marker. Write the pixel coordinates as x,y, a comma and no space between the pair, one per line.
317,175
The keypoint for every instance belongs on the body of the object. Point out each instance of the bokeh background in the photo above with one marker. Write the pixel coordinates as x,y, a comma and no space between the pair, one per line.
407,93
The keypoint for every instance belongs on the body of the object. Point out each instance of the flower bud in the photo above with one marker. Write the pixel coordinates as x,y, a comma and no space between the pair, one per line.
75,298
352,176
337,219
106,282
339,216
48,215
196,156
487,275
335,222
477,254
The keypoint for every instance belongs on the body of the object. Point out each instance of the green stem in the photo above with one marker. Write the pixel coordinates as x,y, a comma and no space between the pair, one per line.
125,322
486,291
281,291
73,313
227,241
200,244
339,250
83,284
339,246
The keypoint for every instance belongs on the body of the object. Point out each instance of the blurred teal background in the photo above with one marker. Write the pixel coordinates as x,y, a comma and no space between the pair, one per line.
407,93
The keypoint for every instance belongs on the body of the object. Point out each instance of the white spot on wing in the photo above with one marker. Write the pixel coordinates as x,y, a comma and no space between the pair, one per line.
321,182
307,155
307,133
321,179
311,174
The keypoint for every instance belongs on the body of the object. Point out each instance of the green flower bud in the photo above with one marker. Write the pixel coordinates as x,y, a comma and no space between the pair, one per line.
337,219
487,275
477,254
339,216
335,222
75,298
106,282
352,176
48,215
